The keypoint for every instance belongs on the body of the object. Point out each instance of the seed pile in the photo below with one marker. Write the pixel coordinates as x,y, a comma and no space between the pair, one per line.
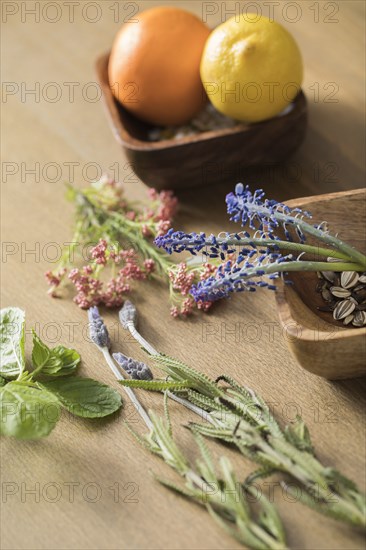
345,295
208,119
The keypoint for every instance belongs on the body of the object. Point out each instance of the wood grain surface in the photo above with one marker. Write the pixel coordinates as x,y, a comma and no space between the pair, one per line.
241,337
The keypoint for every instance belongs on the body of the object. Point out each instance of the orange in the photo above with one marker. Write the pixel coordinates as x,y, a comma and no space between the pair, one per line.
154,66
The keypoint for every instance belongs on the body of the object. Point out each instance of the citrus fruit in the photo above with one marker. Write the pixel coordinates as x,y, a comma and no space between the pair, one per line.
154,66
251,68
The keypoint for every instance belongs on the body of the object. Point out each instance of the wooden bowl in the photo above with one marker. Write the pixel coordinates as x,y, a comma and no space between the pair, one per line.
206,158
322,345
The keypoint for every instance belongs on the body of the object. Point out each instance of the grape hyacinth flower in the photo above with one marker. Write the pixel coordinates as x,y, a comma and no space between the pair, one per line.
252,261
135,369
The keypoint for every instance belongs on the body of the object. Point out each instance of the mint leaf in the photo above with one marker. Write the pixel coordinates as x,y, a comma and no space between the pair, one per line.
84,396
12,358
65,358
40,352
27,412
59,361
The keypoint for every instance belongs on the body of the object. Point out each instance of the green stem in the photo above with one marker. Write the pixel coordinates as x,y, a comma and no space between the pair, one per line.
348,250
309,266
124,228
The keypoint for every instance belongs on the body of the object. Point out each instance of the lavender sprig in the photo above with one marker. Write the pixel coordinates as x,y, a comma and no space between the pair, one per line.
99,335
97,330
135,369
128,315
128,318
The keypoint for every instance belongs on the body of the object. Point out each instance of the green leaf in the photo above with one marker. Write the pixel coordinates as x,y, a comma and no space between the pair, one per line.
155,385
178,370
298,435
206,403
2,381
40,352
269,517
71,193
261,473
12,358
174,487
59,361
85,397
26,411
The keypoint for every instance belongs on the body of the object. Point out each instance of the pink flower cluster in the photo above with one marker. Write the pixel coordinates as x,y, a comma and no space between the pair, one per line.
161,210
149,219
181,280
92,291
55,279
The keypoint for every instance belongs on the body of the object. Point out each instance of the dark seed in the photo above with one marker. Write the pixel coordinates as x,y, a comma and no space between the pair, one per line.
329,276
326,295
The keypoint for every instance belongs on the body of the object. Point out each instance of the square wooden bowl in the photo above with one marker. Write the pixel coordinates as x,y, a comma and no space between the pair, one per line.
322,345
206,158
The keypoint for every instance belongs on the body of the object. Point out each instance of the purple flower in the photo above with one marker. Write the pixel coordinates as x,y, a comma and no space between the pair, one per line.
249,261
266,215
178,241
128,314
135,369
97,330
230,277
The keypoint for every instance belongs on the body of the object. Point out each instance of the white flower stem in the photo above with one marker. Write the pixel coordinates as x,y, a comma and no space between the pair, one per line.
140,339
140,409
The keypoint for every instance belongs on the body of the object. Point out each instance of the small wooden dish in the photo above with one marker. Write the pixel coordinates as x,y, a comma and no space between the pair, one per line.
206,158
322,345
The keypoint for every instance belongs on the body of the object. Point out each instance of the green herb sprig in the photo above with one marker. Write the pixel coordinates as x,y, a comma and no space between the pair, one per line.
223,496
235,414
31,401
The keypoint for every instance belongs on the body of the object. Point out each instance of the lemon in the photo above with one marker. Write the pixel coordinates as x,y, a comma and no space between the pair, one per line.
251,68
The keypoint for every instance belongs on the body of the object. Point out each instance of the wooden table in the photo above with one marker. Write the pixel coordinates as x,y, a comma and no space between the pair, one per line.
56,136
